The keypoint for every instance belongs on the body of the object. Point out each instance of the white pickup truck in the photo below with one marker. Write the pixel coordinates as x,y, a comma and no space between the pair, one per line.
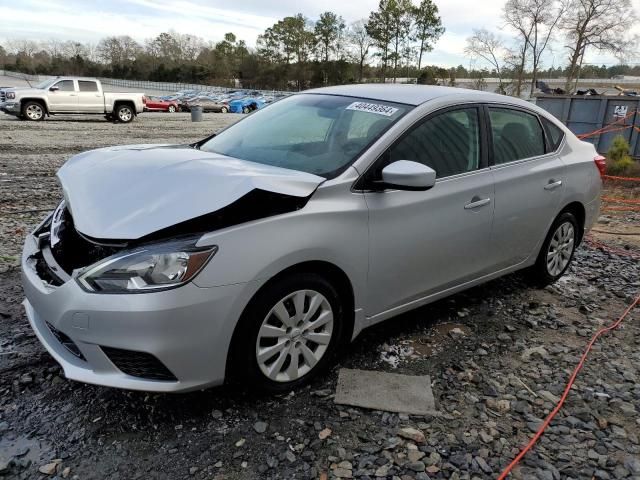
70,95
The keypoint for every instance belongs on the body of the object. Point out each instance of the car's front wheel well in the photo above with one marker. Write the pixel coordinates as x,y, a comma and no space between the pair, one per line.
42,103
578,211
331,273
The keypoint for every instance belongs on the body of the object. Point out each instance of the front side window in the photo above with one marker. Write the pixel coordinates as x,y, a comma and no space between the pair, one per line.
65,86
449,143
314,133
516,135
87,86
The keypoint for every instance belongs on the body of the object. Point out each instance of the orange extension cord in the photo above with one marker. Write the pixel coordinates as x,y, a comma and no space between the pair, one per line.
567,389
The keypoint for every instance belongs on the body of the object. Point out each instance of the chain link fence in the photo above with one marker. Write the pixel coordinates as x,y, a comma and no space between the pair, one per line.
145,85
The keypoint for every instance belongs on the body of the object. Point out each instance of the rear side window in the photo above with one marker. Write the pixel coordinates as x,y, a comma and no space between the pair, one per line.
449,143
516,135
65,86
554,135
87,86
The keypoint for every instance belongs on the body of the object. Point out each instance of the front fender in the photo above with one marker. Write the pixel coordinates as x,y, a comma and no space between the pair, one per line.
42,99
330,228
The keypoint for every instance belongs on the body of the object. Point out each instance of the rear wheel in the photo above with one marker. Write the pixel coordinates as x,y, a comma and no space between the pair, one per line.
33,111
288,334
124,113
246,110
224,110
557,250
172,109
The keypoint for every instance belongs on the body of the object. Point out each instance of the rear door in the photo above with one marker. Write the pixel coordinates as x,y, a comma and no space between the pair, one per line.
63,97
90,99
528,177
427,241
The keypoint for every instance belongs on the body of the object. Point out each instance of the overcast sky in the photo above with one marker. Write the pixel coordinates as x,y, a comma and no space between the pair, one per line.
90,20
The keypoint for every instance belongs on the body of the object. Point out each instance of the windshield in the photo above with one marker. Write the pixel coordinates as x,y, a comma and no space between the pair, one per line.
314,133
45,84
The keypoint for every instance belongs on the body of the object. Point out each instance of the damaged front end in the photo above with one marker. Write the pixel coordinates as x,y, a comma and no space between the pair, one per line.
159,260
62,250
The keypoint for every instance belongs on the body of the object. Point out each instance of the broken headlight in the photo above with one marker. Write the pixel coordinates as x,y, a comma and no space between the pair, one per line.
149,269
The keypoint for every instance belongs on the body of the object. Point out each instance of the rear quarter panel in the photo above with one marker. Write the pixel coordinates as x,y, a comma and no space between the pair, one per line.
582,180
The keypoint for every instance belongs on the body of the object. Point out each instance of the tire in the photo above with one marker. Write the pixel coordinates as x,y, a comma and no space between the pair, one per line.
172,109
246,110
557,251
124,113
261,332
33,111
224,110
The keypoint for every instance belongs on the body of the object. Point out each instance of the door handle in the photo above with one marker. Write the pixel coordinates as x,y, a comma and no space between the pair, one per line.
476,203
553,185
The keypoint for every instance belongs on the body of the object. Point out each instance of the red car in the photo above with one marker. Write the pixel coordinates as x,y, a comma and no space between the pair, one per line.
154,104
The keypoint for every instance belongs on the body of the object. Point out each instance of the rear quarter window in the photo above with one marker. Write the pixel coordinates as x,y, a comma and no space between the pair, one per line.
554,135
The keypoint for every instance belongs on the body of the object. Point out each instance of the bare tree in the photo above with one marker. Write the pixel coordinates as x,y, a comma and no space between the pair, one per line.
490,48
596,24
535,22
360,43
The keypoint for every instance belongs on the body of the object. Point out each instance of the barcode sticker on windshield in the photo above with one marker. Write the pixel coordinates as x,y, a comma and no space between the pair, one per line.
373,108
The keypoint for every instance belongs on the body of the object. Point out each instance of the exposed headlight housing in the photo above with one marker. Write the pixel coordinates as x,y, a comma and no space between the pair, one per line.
147,269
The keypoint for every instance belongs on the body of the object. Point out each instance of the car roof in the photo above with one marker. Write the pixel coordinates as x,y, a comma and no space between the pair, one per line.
414,94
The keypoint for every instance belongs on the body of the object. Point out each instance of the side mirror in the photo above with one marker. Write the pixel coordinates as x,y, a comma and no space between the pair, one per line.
408,175
54,89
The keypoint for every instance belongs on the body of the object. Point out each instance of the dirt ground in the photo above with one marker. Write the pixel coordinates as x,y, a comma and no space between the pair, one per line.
499,356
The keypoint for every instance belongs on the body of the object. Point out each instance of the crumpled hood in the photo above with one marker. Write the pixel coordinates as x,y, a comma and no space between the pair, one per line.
131,191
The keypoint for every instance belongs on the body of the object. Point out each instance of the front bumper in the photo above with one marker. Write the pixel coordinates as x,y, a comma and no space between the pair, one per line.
187,329
12,108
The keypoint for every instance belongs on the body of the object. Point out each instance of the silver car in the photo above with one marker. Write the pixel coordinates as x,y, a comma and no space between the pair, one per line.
261,251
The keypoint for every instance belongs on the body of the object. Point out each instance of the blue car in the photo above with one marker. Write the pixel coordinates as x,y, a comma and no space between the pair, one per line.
246,105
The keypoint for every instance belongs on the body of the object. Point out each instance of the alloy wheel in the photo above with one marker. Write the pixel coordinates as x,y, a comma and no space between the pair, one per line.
172,109
125,114
560,249
34,112
294,335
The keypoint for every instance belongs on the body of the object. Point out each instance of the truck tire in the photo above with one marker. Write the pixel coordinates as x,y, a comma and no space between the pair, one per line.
33,111
124,113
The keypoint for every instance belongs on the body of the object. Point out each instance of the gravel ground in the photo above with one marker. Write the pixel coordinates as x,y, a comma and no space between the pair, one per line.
499,356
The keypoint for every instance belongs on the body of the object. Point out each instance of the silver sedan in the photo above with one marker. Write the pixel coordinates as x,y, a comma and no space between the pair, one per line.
260,252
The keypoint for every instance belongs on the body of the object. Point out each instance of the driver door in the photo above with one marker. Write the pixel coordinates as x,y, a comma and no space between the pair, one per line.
424,242
63,97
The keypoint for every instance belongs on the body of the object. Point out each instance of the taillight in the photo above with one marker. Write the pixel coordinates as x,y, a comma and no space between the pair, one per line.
601,163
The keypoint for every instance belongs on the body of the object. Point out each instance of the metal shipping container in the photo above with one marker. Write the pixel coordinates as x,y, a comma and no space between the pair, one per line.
586,114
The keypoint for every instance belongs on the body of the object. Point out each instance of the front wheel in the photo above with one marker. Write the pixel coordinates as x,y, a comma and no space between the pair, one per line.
224,110
246,110
289,333
124,113
33,111
172,109
557,250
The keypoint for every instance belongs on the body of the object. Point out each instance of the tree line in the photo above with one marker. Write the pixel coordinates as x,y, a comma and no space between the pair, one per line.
297,52
584,26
